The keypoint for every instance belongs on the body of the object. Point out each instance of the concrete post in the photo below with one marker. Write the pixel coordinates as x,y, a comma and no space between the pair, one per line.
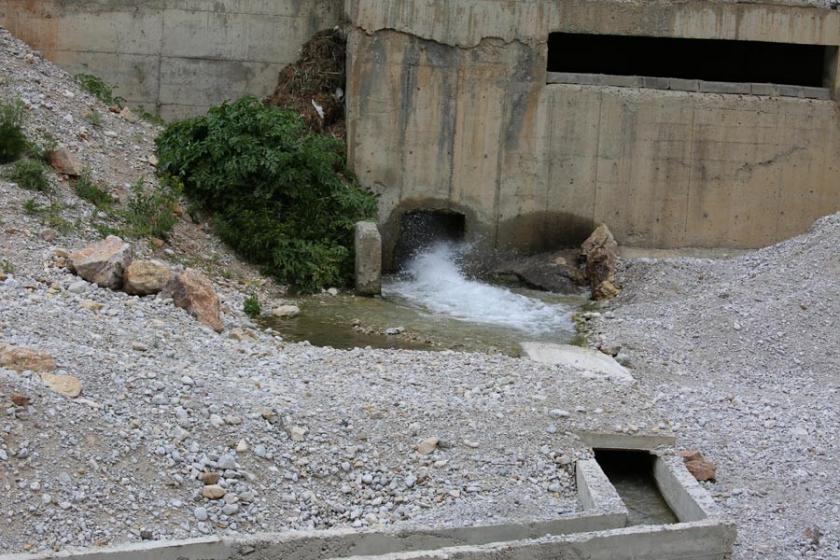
368,245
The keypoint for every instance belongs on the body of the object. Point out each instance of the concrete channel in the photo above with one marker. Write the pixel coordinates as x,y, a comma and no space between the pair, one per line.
598,532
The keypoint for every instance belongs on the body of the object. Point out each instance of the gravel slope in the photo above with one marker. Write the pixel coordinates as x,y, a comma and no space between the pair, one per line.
743,355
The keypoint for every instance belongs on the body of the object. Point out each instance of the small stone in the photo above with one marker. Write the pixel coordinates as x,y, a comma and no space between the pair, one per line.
298,433
227,462
559,413
209,478
20,400
200,513
216,421
230,509
471,443
67,385
700,468
427,446
139,347
21,359
91,305
286,311
242,446
78,287
146,535
213,492
260,450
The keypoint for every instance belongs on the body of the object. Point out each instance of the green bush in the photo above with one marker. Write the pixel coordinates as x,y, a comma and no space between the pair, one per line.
87,189
99,88
29,174
279,194
13,142
252,307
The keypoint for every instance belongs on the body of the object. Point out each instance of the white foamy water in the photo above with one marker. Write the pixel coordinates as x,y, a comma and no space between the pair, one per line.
434,281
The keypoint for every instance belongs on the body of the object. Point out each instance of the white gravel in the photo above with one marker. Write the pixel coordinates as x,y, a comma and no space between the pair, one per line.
743,355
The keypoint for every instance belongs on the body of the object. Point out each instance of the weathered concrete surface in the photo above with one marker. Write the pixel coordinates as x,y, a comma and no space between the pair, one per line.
449,107
592,362
176,56
368,246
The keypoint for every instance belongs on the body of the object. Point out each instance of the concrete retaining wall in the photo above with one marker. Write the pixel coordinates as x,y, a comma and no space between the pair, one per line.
597,534
175,56
450,107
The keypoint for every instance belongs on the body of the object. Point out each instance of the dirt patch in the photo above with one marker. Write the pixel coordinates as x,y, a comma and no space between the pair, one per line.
314,85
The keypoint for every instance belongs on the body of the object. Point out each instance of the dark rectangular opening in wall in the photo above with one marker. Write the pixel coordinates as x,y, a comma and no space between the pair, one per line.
631,473
711,60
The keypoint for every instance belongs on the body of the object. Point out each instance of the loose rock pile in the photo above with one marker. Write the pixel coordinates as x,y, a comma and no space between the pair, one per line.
109,264
742,353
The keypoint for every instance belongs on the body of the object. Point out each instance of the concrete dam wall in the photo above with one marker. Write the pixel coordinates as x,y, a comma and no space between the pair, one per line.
452,105
679,124
174,57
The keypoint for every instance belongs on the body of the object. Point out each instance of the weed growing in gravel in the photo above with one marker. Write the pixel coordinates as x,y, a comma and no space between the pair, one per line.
94,118
13,142
150,117
49,215
87,189
280,195
6,267
252,307
40,150
149,213
31,207
29,174
99,88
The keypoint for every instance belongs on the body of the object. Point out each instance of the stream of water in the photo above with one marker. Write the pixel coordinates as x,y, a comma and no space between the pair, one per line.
436,306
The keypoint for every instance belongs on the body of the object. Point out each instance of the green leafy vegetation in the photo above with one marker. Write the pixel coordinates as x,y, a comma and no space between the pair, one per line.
29,174
149,212
87,189
6,267
279,194
150,117
252,307
100,89
13,143
94,118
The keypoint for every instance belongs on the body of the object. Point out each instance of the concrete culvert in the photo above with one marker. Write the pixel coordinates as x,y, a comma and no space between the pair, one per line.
421,228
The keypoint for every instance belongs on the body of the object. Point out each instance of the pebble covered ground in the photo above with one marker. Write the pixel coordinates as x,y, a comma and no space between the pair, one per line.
181,432
743,354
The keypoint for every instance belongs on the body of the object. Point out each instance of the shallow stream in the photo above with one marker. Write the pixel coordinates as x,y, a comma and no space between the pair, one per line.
432,304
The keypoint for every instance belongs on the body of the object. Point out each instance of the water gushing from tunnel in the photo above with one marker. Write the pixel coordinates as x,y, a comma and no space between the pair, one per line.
434,280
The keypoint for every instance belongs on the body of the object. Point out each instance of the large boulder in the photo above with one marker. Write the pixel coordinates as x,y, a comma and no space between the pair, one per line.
600,255
551,272
21,359
64,162
103,263
193,292
143,278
